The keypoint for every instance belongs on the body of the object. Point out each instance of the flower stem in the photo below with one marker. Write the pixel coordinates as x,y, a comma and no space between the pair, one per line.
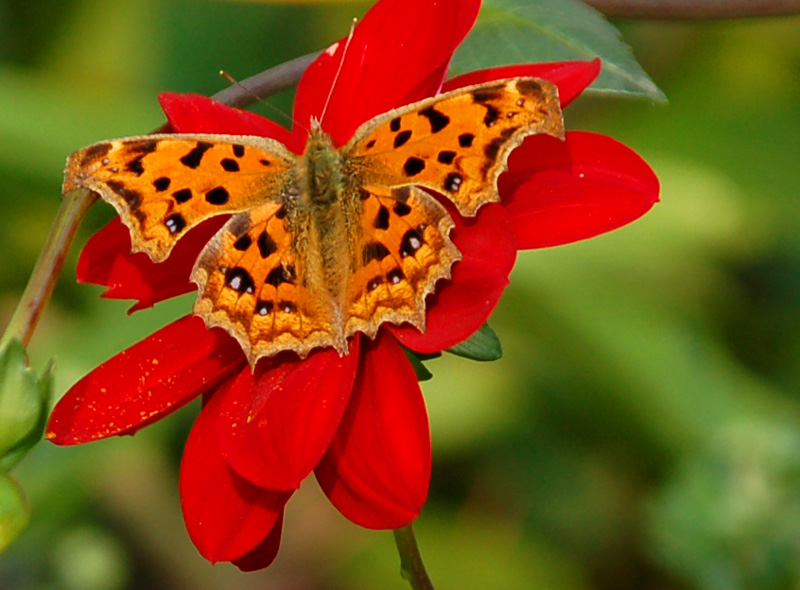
411,566
48,266
694,9
266,83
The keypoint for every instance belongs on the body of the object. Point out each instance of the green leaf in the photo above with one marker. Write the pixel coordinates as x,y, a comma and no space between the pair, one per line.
14,513
24,401
520,31
483,345
423,374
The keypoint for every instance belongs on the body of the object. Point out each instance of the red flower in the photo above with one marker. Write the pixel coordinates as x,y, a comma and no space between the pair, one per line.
358,421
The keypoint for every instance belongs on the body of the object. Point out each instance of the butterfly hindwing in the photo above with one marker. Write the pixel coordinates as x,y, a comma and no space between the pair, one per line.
253,281
403,250
163,185
456,143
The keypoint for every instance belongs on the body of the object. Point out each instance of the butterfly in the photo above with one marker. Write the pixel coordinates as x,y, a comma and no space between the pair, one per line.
332,242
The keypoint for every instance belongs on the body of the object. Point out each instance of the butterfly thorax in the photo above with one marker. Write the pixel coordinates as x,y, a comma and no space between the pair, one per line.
321,168
324,233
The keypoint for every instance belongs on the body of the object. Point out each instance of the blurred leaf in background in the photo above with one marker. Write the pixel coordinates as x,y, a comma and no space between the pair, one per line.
641,429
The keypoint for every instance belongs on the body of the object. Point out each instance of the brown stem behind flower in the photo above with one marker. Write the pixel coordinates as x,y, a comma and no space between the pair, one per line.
694,9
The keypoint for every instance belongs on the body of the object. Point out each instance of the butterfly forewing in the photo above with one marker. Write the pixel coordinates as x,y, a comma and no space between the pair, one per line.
456,143
163,185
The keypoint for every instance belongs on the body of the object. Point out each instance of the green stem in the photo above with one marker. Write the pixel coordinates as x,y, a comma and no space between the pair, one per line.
411,566
48,267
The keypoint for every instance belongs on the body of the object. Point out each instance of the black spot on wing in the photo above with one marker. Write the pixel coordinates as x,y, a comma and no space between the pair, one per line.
453,182
131,197
382,218
446,157
395,276
94,152
437,119
175,223
402,137
183,195
264,307
374,283
243,243
142,147
401,209
394,124
281,212
487,94
413,166
266,245
374,251
161,184
238,150
217,196
412,241
195,156
229,165
491,116
135,166
280,274
287,307
493,147
465,140
529,87
239,280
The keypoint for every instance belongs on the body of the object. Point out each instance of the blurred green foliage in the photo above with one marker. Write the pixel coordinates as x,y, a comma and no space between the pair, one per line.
642,430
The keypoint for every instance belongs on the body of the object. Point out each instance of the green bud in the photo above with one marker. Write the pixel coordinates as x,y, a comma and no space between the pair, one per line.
24,403
14,513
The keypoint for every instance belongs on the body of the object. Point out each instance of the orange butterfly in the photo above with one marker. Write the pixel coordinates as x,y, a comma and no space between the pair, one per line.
335,241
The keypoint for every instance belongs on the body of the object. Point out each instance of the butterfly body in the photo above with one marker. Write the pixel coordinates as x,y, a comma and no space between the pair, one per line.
332,242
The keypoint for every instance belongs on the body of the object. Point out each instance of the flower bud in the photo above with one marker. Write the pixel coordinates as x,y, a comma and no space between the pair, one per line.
24,401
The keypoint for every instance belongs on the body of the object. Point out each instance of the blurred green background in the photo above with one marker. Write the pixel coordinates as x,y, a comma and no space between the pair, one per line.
642,430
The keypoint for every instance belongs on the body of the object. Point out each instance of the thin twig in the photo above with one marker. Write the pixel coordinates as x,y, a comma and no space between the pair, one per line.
411,566
266,83
694,9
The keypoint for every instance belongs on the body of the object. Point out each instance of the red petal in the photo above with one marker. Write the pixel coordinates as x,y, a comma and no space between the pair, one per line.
227,517
263,555
559,192
107,260
571,77
459,307
397,55
192,113
377,469
274,428
143,383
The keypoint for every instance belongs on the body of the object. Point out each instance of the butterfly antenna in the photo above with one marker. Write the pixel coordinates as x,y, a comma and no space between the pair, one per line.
338,71
230,79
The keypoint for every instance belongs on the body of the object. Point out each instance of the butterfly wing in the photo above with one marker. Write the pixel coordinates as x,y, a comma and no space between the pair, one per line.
457,143
163,185
253,279
403,250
